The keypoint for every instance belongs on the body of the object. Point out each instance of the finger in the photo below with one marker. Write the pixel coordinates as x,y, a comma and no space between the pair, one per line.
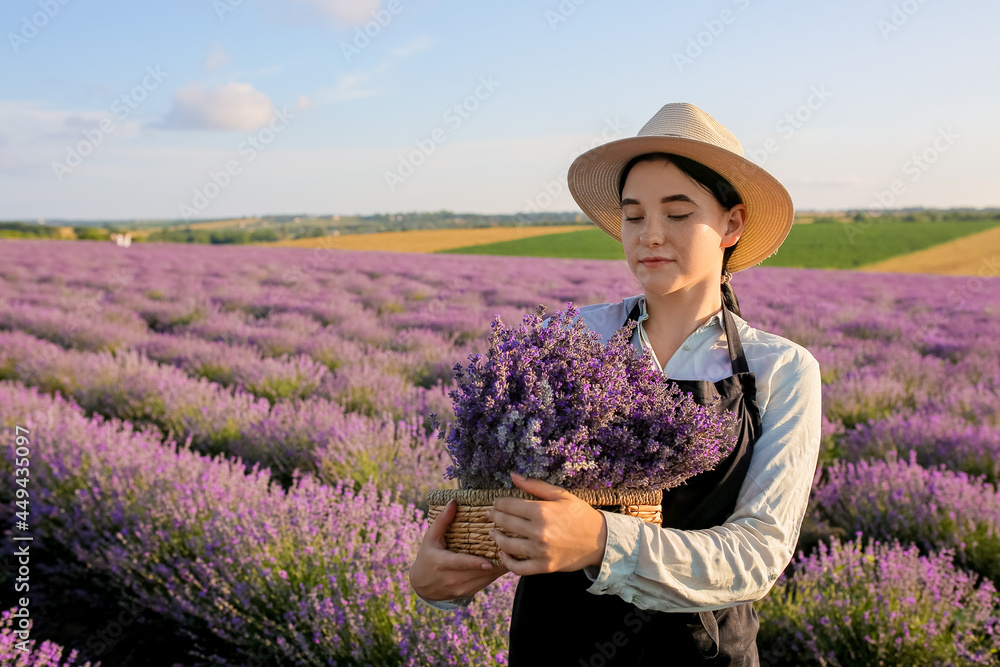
438,527
511,545
519,567
510,524
540,488
517,507
451,560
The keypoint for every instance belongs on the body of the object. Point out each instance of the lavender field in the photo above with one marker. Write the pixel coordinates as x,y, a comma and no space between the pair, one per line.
230,446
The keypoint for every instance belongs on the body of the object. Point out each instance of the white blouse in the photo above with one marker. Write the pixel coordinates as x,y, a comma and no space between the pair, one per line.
666,569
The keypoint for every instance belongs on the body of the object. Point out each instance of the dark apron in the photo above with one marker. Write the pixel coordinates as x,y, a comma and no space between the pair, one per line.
555,621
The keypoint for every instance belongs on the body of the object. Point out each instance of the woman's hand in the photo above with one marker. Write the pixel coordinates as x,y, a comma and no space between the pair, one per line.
439,574
560,533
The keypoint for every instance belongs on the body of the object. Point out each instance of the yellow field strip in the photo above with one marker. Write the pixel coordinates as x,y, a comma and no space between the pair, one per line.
978,254
427,240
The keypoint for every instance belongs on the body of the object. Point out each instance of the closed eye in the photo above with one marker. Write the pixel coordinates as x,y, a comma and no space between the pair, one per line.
672,217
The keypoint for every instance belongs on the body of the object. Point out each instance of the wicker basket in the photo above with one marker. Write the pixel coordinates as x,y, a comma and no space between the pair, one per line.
469,531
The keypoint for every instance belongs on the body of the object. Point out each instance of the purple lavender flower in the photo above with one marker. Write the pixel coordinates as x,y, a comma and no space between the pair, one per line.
550,400
883,604
38,654
901,499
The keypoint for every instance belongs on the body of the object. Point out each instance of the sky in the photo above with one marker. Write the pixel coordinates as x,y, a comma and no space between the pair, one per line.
200,109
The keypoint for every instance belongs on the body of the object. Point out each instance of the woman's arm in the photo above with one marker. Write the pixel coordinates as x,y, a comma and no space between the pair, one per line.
666,569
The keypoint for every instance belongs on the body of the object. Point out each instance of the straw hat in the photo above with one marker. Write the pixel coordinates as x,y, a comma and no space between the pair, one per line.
684,129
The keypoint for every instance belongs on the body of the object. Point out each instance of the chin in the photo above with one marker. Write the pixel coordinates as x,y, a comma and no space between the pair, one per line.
658,286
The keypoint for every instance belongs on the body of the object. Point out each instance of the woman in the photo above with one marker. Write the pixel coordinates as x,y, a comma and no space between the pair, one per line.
602,588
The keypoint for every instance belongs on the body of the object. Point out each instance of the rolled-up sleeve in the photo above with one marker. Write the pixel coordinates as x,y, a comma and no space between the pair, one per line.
447,605
667,569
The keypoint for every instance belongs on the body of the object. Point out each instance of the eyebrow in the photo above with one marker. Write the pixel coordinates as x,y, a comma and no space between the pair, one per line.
665,200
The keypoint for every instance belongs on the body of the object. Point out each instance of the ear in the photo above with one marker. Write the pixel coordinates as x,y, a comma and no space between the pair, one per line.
736,223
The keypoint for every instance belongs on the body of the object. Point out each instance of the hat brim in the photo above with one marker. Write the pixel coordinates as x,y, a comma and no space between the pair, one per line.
593,182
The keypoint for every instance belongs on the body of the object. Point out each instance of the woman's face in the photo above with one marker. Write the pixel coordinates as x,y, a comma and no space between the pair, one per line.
667,214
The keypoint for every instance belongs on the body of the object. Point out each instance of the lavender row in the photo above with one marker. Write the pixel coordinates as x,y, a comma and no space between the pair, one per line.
935,437
312,435
884,345
881,604
314,575
900,499
274,360
897,399
175,287
15,652
199,541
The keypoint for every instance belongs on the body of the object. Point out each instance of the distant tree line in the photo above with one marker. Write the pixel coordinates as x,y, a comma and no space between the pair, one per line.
951,215
215,236
22,230
27,230
291,227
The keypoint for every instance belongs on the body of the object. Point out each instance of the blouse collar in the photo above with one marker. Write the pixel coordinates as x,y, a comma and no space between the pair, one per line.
713,320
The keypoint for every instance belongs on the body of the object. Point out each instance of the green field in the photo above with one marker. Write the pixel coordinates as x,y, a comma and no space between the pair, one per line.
586,244
820,246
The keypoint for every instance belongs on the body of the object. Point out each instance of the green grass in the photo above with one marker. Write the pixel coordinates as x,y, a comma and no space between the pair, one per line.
852,245
821,246
586,244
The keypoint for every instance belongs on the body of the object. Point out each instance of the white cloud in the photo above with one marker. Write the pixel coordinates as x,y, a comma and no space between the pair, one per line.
35,135
232,106
216,57
352,86
358,85
415,45
29,122
347,12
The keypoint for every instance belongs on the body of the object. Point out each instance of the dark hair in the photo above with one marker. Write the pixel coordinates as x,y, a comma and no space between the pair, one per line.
712,181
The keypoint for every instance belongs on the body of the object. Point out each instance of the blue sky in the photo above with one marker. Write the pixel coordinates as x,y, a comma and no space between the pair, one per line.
214,108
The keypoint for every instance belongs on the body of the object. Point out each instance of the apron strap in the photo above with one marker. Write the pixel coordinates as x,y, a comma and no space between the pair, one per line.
736,356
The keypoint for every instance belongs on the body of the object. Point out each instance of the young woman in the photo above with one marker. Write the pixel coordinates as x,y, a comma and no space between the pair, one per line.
603,588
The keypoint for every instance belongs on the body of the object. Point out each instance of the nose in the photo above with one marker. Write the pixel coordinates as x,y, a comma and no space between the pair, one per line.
650,234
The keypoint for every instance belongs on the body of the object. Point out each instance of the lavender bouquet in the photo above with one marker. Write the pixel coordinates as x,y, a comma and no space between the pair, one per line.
551,401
